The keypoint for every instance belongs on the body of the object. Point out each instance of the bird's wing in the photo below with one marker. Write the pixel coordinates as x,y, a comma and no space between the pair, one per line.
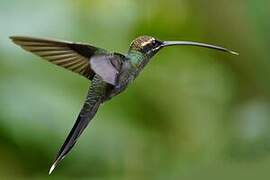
72,56
107,67
94,98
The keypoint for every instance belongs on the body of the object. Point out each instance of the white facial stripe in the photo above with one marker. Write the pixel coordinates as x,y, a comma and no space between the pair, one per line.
147,42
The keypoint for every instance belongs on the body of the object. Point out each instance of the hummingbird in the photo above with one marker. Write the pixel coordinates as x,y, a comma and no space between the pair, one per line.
110,73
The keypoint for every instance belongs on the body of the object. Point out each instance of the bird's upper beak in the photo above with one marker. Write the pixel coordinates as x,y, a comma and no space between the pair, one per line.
190,43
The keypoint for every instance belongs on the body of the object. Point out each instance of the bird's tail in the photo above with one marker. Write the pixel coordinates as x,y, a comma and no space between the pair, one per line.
91,105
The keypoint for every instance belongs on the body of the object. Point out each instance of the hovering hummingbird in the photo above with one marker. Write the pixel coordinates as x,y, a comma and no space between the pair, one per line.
110,73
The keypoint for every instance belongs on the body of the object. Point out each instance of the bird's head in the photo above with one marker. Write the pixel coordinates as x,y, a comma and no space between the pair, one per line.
150,46
146,44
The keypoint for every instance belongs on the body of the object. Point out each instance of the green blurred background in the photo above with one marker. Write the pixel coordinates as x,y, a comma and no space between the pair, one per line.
192,114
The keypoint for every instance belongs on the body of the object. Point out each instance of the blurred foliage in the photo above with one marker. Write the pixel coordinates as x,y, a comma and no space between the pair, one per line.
192,114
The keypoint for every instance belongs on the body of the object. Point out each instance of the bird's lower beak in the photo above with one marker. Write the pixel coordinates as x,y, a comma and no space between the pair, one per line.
190,43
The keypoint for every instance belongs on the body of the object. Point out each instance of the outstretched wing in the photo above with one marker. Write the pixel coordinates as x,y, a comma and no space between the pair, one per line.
72,56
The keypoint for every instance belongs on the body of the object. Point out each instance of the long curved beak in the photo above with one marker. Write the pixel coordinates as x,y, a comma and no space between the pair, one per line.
190,43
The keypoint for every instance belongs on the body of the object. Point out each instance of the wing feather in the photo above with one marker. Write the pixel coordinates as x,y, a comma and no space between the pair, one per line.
72,56
103,65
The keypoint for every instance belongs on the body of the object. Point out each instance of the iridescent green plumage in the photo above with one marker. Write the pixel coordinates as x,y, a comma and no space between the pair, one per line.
110,73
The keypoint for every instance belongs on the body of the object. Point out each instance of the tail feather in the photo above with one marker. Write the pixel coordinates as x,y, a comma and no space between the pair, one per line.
77,129
91,105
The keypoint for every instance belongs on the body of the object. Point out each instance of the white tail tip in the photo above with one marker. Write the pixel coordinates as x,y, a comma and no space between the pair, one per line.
233,52
52,168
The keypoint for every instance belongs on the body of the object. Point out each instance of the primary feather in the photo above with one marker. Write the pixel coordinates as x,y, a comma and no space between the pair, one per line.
72,56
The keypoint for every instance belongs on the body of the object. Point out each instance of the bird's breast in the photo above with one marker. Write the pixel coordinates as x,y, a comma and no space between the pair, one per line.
125,78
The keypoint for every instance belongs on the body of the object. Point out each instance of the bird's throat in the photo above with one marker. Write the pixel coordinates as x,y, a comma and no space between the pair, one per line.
137,58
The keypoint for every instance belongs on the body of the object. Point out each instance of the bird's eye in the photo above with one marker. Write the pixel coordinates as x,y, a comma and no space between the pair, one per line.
155,43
